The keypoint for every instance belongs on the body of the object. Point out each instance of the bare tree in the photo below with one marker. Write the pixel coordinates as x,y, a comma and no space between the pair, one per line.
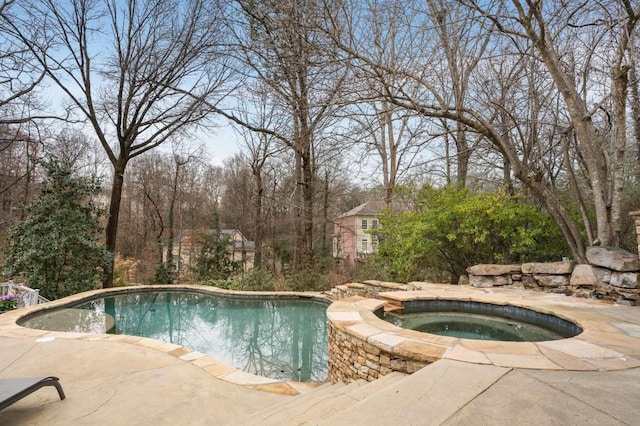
17,174
20,75
389,137
635,112
126,67
164,195
284,50
258,149
179,162
394,137
523,117
144,209
463,43
238,199
607,27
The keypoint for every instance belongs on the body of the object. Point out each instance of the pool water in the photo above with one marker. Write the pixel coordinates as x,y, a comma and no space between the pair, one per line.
474,326
278,338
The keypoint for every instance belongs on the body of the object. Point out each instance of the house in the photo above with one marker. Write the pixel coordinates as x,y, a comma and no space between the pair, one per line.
188,244
354,235
241,250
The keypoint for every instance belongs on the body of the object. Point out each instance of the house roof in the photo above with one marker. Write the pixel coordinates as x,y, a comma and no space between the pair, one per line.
373,208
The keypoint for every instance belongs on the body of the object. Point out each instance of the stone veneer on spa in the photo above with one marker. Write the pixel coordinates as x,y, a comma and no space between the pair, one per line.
363,346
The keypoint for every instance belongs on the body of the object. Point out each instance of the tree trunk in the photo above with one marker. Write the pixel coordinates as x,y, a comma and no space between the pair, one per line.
619,142
298,212
463,155
392,169
447,153
174,191
559,214
325,215
506,177
635,114
307,193
585,132
111,231
169,264
257,216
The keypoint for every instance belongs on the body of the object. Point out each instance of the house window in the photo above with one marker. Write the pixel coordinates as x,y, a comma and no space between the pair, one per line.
374,224
374,244
364,224
365,245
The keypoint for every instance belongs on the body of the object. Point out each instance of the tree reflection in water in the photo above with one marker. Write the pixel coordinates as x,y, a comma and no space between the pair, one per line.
282,339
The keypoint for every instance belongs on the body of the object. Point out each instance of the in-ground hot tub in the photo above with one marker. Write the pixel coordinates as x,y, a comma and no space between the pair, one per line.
478,320
365,346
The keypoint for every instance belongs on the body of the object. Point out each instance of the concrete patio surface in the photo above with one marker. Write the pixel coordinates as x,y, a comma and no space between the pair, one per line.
115,383
119,380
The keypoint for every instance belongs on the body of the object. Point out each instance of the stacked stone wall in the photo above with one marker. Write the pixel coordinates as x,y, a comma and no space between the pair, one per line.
367,289
351,358
611,274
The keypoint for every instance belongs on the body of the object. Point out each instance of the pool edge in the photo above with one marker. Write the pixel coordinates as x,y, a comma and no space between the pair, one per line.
9,327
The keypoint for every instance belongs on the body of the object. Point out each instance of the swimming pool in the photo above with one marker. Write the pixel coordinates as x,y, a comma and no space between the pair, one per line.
278,337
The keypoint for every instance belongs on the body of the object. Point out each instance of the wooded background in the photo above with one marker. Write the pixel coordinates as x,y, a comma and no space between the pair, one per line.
335,102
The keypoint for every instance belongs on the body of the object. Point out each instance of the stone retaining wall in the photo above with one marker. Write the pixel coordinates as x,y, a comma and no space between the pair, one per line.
352,358
612,274
368,289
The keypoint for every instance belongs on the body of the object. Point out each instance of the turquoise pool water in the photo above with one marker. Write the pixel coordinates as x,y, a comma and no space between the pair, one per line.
481,321
474,326
278,338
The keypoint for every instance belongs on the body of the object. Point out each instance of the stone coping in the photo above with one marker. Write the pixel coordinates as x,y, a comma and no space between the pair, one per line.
605,343
10,328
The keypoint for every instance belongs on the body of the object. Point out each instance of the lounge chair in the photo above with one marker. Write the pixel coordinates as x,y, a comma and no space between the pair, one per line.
13,390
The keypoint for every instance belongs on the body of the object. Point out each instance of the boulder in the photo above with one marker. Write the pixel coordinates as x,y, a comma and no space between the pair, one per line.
582,293
529,282
629,294
588,275
494,269
552,268
552,280
625,279
613,258
483,281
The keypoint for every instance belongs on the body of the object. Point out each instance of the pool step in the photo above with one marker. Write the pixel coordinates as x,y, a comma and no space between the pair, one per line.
429,396
391,303
319,392
317,405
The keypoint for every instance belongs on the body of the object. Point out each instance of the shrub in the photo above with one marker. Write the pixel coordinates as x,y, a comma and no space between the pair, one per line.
451,230
253,280
303,281
55,248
